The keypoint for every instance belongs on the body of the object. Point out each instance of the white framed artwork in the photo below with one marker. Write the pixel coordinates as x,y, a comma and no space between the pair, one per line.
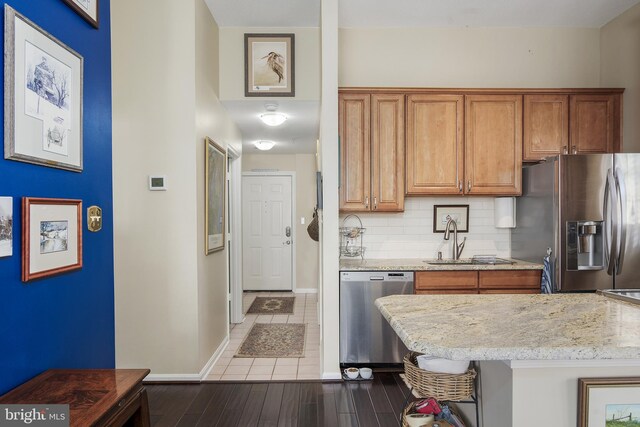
43,96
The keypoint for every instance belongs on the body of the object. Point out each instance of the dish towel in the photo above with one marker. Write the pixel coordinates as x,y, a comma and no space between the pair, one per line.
545,283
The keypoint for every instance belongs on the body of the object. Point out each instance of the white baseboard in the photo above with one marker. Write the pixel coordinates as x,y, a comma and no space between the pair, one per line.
204,372
306,291
173,378
331,376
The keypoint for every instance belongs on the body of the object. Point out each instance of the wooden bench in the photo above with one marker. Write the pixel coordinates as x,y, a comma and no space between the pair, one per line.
96,397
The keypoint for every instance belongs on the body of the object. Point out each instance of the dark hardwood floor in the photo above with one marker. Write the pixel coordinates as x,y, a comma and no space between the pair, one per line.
365,404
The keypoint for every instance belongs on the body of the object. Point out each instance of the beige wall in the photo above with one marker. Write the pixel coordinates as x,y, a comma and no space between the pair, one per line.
470,57
304,165
620,53
210,120
307,53
329,301
166,291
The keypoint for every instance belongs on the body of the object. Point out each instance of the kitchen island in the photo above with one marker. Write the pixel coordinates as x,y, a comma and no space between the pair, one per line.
531,348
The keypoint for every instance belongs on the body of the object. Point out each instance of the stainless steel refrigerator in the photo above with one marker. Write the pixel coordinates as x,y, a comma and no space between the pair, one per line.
586,210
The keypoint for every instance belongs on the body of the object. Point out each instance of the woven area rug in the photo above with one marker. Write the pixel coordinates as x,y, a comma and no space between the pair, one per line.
274,340
272,305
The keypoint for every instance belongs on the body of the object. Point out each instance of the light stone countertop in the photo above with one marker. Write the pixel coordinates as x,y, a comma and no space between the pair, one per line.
515,327
421,264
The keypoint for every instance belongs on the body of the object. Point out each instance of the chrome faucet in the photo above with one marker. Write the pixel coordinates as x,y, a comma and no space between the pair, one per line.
457,248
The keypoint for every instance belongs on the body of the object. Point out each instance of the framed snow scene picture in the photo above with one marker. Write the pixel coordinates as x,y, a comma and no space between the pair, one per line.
42,96
51,237
269,65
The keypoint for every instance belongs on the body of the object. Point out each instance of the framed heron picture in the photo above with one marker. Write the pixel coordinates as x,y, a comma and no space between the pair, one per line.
269,65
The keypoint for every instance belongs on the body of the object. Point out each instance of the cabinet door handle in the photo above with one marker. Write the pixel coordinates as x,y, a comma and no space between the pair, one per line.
375,202
366,202
469,185
565,150
460,186
574,149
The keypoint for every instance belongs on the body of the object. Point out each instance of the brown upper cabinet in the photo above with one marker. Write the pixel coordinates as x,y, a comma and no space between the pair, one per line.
546,126
459,144
462,141
571,124
371,129
593,120
435,146
493,144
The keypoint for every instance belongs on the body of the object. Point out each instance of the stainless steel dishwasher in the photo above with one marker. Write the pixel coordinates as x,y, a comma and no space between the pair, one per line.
365,336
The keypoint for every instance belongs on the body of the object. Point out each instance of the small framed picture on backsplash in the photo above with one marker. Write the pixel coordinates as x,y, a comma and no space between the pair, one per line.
458,213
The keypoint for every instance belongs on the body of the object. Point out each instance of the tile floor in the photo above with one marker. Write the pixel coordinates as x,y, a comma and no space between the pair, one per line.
305,310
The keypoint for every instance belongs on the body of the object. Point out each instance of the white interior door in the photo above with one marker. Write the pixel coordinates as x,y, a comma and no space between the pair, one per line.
267,230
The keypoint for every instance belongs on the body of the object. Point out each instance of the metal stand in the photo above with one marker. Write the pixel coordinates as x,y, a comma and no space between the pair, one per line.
473,400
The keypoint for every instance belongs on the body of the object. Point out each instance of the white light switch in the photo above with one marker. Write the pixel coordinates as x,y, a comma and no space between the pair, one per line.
302,220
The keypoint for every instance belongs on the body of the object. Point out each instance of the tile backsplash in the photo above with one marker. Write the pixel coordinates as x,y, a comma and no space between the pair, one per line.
410,234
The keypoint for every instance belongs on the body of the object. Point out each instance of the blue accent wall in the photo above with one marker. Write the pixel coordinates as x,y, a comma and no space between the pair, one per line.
66,321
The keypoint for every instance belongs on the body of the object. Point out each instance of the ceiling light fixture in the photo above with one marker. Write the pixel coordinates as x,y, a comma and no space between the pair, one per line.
271,117
264,145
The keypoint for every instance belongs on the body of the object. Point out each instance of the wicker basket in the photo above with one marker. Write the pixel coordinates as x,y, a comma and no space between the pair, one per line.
436,385
314,227
410,409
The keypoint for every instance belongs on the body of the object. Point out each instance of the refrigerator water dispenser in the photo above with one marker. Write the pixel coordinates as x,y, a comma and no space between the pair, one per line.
585,249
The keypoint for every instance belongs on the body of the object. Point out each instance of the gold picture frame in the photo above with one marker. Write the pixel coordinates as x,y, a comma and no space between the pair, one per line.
215,196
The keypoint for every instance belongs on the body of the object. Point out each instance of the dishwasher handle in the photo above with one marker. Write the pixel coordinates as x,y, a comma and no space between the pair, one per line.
376,276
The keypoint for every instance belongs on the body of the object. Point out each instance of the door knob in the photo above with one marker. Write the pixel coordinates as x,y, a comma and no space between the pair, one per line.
287,231
288,242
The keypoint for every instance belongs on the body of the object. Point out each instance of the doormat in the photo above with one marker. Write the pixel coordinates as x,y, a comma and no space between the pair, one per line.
272,305
274,340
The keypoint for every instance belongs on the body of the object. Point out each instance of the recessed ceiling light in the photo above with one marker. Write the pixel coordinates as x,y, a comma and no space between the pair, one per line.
271,117
264,145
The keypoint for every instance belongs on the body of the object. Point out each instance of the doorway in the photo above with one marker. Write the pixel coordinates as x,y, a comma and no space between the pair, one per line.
234,204
268,255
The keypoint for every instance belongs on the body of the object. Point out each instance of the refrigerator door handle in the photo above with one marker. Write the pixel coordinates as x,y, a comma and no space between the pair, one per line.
610,241
621,192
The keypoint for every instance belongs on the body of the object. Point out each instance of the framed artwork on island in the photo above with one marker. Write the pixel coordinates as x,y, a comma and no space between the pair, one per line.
215,183
88,9
51,237
442,213
6,226
608,402
269,65
42,96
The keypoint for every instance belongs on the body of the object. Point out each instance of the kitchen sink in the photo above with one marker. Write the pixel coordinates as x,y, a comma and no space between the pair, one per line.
628,295
449,261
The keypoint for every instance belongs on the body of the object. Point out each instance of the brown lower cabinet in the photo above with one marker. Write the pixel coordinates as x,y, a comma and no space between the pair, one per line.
474,282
